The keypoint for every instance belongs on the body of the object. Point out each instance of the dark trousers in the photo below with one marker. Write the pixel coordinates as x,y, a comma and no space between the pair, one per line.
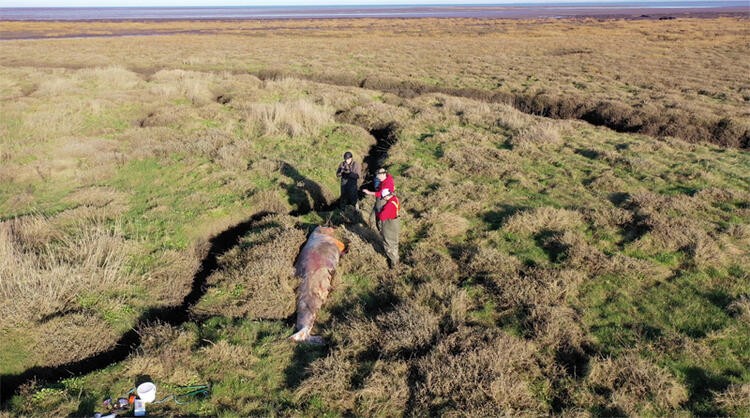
349,192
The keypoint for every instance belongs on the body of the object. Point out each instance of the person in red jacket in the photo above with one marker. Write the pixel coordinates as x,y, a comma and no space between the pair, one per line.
383,184
390,226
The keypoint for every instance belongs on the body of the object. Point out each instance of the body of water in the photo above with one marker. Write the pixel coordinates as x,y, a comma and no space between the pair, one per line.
519,10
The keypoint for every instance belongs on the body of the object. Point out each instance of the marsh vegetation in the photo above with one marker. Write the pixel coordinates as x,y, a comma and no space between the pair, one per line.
155,191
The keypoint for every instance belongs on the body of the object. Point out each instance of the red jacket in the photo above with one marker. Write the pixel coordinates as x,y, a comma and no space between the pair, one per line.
385,184
390,210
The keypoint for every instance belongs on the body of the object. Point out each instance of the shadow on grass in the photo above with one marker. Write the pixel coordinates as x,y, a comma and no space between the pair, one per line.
304,354
549,242
618,198
304,194
86,406
702,384
639,224
588,153
130,340
496,218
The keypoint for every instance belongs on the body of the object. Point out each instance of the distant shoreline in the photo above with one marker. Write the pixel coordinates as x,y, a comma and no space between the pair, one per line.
519,11
30,30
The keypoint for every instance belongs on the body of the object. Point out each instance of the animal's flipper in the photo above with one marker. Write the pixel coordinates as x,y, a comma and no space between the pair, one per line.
316,340
303,336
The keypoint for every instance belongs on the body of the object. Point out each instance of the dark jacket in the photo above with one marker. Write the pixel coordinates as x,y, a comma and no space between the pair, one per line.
349,172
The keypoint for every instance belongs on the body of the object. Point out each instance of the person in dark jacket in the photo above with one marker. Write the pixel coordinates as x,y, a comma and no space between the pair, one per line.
349,172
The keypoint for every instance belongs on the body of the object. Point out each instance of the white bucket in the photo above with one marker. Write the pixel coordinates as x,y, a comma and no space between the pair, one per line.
146,391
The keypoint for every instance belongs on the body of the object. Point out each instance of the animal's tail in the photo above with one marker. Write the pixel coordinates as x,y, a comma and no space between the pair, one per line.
303,336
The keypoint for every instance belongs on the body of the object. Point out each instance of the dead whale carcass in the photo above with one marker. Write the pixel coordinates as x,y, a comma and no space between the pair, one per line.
315,266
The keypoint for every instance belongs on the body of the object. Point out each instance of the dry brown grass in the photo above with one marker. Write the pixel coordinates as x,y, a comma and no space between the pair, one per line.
195,86
591,71
540,135
636,385
670,225
741,308
330,379
735,400
446,225
170,278
374,115
73,337
409,327
478,373
474,160
544,286
364,256
558,328
256,279
544,218
295,119
429,262
491,262
385,393
165,355
45,269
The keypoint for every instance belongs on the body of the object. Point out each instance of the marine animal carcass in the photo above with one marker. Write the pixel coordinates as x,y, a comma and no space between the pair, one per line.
316,266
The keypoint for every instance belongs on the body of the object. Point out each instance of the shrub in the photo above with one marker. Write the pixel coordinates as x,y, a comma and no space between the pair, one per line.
735,400
430,263
475,372
295,119
385,392
637,386
408,328
544,218
538,135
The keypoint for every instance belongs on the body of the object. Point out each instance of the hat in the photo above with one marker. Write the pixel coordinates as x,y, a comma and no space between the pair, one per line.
380,171
347,155
385,193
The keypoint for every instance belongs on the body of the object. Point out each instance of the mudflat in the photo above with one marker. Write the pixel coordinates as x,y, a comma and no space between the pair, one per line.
640,9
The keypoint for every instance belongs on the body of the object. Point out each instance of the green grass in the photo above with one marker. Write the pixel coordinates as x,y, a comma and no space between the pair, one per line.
623,314
665,306
15,348
167,199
